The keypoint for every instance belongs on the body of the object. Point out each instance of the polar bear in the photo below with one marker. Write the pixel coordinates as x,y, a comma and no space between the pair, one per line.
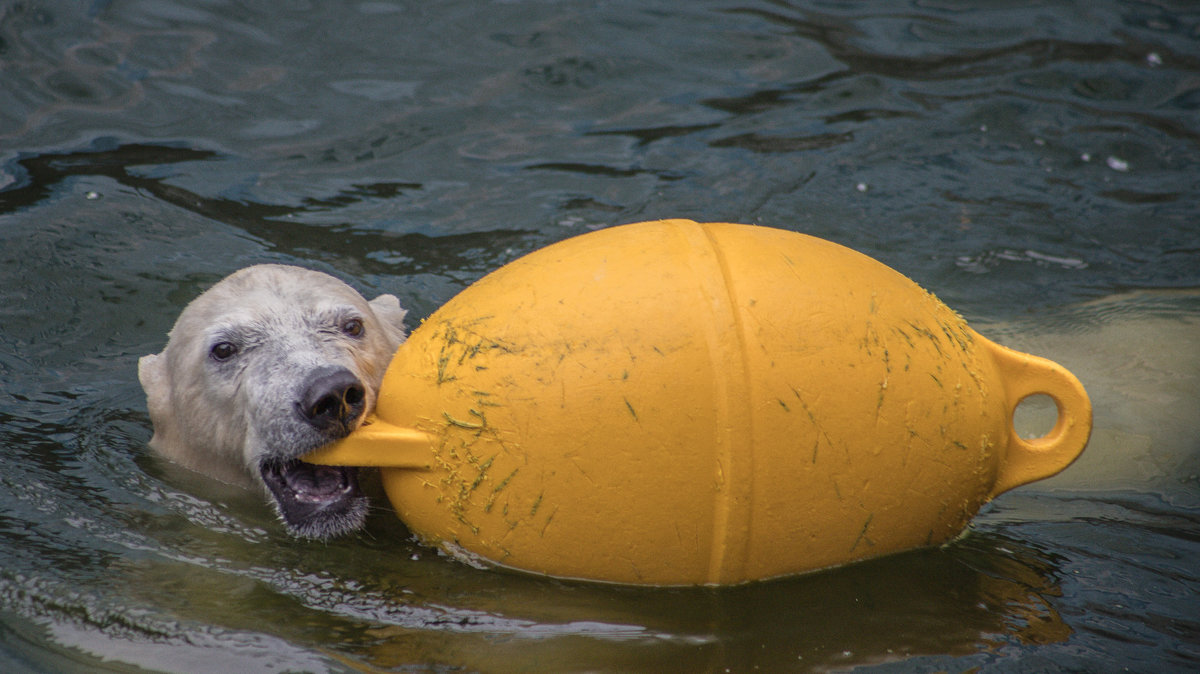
267,365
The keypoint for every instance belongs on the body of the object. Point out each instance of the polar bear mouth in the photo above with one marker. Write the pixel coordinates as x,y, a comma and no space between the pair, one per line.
315,501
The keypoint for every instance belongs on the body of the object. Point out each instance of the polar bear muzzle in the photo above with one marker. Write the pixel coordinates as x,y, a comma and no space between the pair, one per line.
321,501
315,501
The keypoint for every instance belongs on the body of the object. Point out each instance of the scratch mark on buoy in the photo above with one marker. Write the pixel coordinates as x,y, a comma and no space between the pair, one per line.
462,424
862,535
548,521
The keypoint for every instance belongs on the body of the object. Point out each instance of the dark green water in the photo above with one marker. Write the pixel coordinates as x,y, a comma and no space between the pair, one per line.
1036,164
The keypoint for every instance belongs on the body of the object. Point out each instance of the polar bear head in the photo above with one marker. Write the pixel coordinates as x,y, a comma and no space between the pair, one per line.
267,365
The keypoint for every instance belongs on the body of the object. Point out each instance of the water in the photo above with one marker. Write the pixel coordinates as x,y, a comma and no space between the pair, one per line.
1035,164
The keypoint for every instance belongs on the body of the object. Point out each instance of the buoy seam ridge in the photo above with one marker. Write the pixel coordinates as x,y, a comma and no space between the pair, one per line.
731,533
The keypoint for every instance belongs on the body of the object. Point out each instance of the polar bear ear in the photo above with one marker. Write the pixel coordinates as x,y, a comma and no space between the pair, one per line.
152,373
153,376
387,309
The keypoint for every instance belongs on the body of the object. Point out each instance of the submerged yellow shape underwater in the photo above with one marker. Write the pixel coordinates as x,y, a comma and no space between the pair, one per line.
676,403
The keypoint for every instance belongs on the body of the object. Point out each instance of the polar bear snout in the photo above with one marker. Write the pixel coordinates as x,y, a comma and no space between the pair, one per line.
333,401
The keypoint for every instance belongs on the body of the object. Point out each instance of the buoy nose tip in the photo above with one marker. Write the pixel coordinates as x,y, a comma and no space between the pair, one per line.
378,444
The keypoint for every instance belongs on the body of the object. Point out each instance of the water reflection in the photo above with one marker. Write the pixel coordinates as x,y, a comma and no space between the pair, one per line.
388,607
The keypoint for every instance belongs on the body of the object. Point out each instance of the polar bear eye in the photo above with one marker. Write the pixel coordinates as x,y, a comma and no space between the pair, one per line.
353,327
222,351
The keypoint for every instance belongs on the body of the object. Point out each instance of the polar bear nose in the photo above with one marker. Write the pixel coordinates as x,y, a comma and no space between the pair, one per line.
333,399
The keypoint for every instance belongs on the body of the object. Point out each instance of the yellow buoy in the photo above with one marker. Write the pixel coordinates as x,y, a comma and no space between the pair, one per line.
676,403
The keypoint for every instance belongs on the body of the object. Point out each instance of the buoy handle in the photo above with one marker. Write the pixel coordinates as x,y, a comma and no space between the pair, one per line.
1027,460
377,444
